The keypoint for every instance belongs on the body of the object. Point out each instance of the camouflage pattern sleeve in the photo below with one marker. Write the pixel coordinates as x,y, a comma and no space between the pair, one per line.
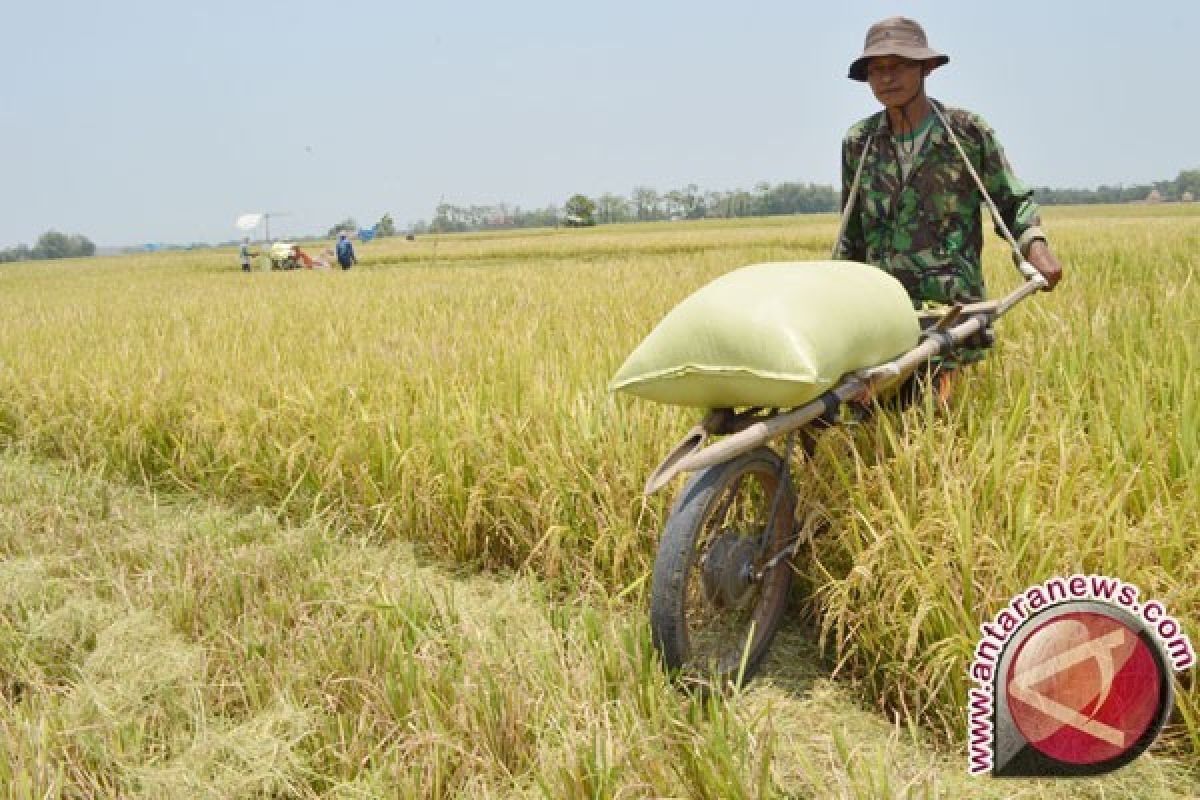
1011,195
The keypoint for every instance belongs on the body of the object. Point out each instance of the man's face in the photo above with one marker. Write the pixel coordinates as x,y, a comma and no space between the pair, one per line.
894,80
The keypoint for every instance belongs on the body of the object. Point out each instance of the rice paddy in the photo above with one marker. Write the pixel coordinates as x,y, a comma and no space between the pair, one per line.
380,533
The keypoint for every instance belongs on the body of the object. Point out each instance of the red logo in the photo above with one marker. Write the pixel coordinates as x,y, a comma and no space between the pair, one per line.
1085,689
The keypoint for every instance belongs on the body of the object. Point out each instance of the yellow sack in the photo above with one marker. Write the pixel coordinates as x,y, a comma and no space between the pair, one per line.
774,335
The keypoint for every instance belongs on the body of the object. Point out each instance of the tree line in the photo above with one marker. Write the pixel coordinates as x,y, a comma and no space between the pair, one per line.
645,204
1185,187
51,244
383,228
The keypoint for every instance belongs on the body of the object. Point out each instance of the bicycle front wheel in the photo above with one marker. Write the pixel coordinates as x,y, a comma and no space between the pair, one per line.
721,576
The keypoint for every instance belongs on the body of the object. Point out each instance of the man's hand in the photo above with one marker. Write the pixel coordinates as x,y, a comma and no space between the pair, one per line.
1044,262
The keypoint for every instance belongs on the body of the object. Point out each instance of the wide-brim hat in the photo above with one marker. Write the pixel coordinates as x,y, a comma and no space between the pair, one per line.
895,36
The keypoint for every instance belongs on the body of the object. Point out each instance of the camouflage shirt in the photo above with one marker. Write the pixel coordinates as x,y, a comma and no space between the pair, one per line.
926,230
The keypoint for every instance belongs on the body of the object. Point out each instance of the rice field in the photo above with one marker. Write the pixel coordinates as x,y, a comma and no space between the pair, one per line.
380,533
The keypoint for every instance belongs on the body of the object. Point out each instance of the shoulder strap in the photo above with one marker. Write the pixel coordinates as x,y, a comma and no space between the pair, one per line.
1024,266
862,159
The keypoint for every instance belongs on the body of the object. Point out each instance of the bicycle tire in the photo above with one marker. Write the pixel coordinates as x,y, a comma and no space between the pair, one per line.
714,622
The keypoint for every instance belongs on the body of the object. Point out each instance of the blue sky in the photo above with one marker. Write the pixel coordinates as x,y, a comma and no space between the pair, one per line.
136,122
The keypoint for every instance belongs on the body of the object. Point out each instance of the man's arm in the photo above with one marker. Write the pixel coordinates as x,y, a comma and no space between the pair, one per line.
1017,207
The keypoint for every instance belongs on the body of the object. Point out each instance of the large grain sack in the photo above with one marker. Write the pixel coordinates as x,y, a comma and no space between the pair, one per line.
774,335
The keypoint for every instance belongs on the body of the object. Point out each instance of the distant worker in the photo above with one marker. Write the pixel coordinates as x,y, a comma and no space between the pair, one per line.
915,207
345,252
244,254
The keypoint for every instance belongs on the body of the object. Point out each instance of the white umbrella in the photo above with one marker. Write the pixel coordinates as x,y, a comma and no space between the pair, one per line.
248,222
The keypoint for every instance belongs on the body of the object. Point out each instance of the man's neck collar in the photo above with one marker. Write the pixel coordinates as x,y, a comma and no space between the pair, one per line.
917,112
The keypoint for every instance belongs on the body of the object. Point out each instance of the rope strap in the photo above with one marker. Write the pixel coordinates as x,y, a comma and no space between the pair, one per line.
1024,266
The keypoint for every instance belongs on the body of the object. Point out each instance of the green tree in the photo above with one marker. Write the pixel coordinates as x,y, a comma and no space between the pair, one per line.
81,246
612,208
447,219
348,225
580,211
692,201
385,226
52,244
646,203
18,253
1188,181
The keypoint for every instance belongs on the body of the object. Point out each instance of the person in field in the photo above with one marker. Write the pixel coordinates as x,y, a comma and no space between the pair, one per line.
345,252
917,210
244,254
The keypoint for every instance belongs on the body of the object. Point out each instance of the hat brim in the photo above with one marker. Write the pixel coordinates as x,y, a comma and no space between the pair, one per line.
858,69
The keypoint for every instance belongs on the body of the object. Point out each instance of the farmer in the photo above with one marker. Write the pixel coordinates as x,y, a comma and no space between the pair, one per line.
916,212
244,254
345,252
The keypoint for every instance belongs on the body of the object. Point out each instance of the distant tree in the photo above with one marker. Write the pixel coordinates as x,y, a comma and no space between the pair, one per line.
762,191
535,218
646,203
1188,181
715,204
799,198
673,201
348,225
385,226
53,244
612,208
82,246
447,219
18,253
741,203
580,211
692,201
